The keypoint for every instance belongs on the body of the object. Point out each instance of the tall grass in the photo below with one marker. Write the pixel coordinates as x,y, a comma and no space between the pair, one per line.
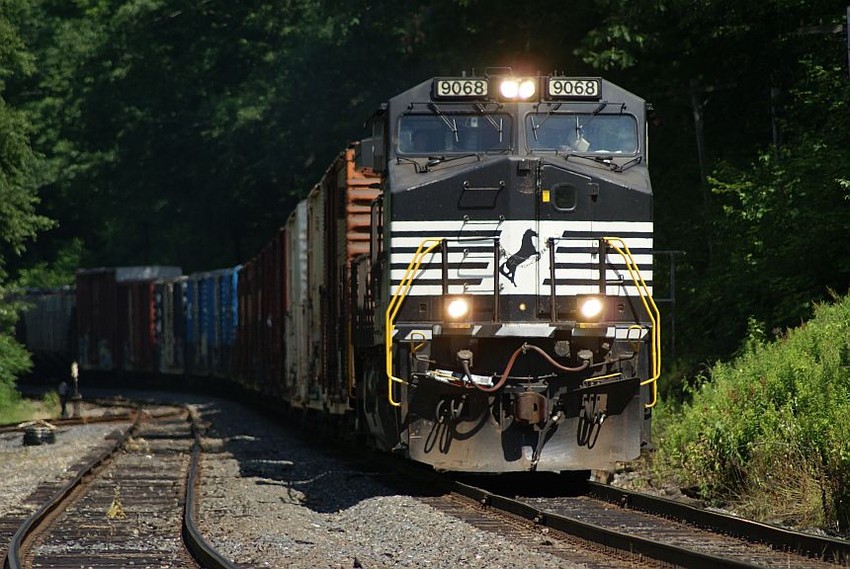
27,410
770,431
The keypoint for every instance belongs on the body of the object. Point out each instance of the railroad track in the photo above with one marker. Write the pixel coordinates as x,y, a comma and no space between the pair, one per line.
599,525
130,505
128,509
644,528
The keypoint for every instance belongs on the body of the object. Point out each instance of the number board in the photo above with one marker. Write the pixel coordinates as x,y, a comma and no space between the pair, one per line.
460,88
574,88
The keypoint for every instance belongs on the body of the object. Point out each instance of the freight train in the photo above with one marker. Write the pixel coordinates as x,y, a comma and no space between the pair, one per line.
470,284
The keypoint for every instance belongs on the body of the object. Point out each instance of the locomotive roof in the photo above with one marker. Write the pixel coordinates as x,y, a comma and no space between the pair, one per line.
610,93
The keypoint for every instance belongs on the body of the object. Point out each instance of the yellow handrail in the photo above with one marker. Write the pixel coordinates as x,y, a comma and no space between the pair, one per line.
394,306
651,310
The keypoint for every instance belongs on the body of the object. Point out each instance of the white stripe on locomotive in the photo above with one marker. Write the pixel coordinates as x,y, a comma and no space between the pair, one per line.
470,261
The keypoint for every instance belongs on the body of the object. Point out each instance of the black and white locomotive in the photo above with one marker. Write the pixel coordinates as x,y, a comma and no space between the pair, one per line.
510,275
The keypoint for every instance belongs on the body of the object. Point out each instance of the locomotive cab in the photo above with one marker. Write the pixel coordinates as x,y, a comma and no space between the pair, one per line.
509,281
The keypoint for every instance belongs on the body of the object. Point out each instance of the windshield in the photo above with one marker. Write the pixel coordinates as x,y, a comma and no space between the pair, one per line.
603,134
453,134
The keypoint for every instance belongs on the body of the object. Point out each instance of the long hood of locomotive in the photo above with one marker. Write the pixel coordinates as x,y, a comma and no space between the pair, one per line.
507,219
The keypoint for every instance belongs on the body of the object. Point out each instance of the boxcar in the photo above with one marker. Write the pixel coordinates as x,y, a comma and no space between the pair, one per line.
47,327
115,317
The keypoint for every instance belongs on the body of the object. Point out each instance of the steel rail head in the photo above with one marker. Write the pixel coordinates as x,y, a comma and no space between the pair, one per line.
827,548
596,534
203,552
200,549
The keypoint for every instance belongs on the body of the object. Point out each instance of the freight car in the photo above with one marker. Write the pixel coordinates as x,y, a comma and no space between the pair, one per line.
470,284
120,318
210,321
47,327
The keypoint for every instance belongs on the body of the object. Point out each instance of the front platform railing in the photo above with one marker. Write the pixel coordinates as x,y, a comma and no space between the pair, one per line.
429,245
651,310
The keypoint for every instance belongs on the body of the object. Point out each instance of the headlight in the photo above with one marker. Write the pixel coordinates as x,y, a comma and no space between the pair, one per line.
518,89
509,88
457,308
527,88
590,308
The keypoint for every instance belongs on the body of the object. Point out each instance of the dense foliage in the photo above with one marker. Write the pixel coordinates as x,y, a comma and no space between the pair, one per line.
178,132
784,216
171,125
773,426
18,218
182,132
748,166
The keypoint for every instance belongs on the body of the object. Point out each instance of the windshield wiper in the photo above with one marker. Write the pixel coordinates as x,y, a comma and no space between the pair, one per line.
633,162
451,124
417,167
604,160
434,160
580,126
498,126
607,161
534,126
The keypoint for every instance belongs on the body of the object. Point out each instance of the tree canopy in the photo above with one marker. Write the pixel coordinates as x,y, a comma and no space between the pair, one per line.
177,132
19,166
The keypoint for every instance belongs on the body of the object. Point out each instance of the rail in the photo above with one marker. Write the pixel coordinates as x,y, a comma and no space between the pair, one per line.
13,559
201,549
204,553
823,547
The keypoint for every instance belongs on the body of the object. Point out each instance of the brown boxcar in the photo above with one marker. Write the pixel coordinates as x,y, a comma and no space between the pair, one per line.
258,359
107,329
136,325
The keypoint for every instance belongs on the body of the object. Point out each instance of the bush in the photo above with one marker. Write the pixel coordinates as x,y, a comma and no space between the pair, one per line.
772,424
14,359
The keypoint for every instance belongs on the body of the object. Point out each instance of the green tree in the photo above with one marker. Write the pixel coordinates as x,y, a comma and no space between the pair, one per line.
171,125
18,220
785,216
737,185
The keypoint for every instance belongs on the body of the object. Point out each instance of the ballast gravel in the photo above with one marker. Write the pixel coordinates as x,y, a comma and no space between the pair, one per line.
25,467
267,499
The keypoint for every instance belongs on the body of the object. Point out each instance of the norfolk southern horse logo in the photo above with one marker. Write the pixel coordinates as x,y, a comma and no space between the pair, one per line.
526,252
